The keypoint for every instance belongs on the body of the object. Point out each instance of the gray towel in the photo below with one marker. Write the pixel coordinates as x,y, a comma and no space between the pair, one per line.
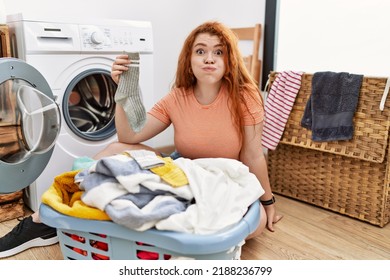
330,109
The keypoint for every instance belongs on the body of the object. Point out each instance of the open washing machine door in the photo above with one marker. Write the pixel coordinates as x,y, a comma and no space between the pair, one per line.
30,123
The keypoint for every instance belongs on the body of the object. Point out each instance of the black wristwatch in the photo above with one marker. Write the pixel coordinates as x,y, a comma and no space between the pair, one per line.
268,202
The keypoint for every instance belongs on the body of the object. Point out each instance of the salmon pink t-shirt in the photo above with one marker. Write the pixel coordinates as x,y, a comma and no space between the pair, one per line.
204,131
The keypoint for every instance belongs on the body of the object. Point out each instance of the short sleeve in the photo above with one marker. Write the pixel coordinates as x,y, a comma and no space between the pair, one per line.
253,111
161,109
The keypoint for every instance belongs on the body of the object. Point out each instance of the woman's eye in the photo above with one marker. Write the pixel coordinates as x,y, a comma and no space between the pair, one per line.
218,52
200,51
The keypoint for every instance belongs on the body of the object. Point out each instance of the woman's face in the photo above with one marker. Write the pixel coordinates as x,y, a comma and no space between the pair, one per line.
207,59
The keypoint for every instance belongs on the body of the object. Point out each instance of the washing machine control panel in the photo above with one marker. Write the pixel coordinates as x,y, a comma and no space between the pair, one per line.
116,38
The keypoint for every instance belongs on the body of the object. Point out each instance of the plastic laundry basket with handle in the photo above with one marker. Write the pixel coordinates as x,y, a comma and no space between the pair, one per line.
91,239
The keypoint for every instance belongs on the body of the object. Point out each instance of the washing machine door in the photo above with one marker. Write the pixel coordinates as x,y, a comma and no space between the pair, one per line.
30,122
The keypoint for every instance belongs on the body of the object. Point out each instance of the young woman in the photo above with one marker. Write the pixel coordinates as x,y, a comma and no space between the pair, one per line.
215,108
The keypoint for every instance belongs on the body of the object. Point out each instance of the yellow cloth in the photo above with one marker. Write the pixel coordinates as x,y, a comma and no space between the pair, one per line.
171,173
64,196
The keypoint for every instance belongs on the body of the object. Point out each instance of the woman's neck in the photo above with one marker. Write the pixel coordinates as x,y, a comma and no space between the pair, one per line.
206,93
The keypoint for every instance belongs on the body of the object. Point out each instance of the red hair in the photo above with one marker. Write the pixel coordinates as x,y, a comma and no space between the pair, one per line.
237,78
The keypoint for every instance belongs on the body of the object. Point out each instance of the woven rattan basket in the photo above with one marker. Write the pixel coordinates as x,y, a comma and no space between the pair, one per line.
348,177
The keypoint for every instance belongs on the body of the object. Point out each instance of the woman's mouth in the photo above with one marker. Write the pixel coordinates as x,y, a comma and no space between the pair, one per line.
209,68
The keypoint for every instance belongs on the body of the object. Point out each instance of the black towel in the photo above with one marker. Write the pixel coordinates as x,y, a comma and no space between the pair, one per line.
330,109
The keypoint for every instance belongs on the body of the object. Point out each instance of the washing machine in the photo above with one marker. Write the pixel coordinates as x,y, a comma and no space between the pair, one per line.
75,58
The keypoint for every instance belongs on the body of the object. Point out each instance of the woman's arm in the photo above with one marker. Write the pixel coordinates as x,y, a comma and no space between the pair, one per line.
125,133
252,156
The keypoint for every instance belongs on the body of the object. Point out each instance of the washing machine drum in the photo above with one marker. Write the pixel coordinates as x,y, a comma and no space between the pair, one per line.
30,122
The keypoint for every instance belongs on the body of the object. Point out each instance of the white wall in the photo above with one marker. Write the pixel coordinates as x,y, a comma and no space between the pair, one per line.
334,35
172,20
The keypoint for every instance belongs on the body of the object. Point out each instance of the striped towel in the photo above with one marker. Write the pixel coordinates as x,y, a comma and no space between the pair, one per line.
278,106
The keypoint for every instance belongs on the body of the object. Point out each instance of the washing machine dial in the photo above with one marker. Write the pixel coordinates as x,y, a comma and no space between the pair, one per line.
97,37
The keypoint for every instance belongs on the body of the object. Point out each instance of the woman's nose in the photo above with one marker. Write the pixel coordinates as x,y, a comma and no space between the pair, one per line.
209,58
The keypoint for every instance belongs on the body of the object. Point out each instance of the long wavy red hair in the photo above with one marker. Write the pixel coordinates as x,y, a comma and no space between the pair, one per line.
237,78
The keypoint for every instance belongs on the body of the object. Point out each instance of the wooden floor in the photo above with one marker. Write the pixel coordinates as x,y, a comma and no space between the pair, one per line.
305,233
311,233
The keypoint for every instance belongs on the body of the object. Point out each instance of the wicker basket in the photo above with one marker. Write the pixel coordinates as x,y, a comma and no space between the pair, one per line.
11,206
5,47
348,177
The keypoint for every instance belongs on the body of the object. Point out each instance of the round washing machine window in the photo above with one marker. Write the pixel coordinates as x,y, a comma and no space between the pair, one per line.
13,148
29,121
89,106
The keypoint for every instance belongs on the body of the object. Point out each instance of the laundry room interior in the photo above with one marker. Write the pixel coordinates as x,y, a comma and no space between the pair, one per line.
345,217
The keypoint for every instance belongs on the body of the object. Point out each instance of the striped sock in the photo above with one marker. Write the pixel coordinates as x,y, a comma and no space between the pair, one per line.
128,94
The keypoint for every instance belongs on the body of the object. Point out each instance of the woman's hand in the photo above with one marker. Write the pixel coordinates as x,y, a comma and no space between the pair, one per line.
272,217
119,65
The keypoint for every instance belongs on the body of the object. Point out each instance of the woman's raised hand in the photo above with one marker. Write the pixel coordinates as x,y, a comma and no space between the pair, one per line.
119,65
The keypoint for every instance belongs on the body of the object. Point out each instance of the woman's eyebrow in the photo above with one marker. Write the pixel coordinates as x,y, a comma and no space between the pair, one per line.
205,45
200,44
